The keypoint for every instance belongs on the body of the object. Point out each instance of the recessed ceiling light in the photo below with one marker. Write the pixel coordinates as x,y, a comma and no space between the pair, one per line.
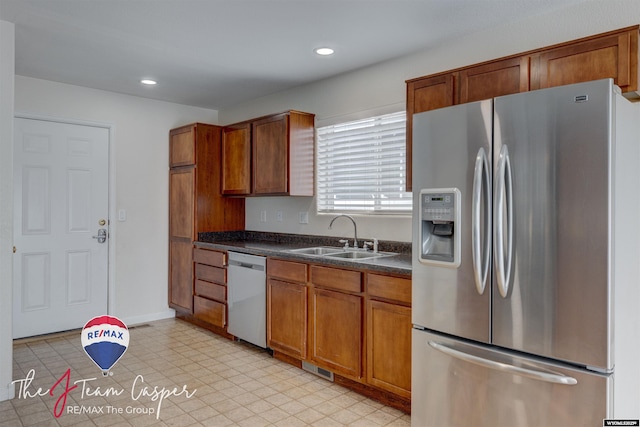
324,51
148,82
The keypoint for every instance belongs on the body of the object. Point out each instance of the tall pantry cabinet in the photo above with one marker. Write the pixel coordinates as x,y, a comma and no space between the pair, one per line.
195,203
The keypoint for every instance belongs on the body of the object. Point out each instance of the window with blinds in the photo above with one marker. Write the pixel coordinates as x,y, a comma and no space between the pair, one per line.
362,166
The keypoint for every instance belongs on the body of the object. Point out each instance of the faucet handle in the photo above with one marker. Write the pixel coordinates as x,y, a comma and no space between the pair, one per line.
346,243
369,244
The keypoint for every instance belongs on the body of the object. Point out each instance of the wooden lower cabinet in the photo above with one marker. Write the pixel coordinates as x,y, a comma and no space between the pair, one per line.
212,312
388,329
336,338
181,275
287,325
355,324
210,288
287,307
389,347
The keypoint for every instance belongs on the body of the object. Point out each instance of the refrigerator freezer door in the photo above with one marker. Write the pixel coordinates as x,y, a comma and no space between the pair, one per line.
556,300
452,149
458,384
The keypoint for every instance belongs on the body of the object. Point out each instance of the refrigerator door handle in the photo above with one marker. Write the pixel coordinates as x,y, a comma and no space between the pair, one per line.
504,367
502,231
480,211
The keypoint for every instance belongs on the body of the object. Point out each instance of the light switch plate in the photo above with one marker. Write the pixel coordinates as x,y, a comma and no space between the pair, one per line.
304,217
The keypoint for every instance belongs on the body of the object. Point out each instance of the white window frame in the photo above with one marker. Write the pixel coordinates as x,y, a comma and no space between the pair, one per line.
361,167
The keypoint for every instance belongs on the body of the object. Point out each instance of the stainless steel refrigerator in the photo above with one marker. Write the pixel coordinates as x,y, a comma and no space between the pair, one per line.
526,230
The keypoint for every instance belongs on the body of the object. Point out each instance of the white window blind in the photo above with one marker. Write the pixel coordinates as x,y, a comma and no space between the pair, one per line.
362,166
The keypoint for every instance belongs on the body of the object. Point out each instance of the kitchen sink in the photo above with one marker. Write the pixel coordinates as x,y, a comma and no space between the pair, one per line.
355,255
350,254
317,250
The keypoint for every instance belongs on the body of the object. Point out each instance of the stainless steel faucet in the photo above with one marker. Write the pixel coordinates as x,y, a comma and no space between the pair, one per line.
355,228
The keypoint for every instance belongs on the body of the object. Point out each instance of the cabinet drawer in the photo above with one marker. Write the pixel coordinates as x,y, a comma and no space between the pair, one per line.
205,256
211,274
287,270
210,311
334,278
388,287
211,290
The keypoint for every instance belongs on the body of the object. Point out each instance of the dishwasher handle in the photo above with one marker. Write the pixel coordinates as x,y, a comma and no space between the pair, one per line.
233,262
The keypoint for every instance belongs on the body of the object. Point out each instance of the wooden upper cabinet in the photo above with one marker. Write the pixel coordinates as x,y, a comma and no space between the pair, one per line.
429,93
182,147
612,55
272,155
494,79
608,55
236,160
283,154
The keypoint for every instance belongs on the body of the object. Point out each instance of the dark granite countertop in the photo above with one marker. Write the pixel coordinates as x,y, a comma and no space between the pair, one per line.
280,244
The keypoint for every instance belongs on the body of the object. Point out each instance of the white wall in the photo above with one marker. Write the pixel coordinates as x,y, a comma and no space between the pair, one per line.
7,61
140,169
381,88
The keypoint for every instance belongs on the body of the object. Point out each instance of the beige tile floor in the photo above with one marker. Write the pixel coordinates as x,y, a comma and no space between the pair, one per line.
175,374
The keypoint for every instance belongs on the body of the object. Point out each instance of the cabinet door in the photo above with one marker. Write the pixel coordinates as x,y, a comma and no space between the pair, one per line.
610,56
287,318
423,95
181,203
182,149
180,275
389,347
336,341
270,155
494,79
236,160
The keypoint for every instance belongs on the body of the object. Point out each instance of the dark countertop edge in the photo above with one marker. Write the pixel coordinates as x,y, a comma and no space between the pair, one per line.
279,244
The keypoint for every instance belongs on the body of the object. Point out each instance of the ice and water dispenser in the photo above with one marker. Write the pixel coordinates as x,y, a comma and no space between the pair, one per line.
440,227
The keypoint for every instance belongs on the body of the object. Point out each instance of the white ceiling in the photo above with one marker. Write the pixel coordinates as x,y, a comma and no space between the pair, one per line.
219,53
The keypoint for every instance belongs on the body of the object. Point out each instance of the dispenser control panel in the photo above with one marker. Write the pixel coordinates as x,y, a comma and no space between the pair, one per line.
440,227
438,207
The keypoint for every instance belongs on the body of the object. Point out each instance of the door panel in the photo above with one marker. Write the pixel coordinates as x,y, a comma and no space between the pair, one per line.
558,299
36,200
446,143
36,275
60,200
78,274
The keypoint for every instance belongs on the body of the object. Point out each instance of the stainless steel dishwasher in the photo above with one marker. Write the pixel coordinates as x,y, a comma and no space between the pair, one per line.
247,298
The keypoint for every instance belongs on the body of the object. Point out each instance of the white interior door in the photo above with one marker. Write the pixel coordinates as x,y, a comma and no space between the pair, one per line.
60,205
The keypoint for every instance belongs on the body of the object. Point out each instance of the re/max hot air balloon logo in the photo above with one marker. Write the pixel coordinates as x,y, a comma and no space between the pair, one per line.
105,339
